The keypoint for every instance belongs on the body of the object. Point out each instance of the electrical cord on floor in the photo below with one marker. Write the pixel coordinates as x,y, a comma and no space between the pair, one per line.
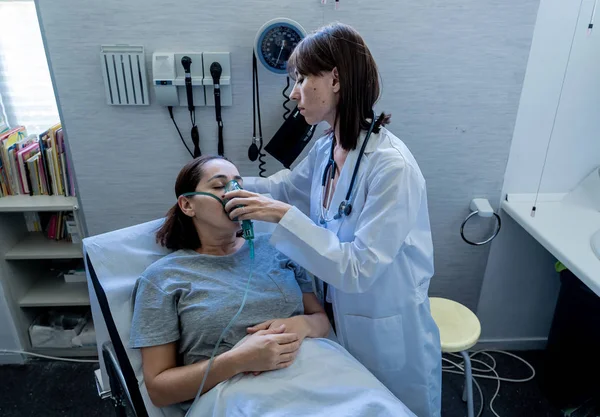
179,131
20,352
490,368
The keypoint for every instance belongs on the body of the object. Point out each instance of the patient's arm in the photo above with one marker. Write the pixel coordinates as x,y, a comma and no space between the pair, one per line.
168,383
314,322
315,316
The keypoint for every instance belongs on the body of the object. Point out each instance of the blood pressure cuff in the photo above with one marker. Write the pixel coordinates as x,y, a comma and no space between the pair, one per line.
291,139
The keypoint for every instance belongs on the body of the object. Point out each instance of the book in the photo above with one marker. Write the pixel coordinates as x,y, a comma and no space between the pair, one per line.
7,141
63,161
22,156
50,160
41,140
32,220
13,168
51,230
20,145
73,230
59,227
55,159
33,175
51,174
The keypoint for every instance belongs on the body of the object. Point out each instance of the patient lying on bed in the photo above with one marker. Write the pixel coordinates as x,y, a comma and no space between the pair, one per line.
183,302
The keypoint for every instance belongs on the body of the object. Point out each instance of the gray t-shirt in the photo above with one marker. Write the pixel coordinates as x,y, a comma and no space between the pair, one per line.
190,298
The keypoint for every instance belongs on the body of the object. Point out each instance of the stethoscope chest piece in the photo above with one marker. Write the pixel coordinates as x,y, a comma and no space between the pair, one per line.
344,210
345,207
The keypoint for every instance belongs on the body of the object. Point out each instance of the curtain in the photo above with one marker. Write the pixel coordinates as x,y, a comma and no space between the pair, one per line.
26,93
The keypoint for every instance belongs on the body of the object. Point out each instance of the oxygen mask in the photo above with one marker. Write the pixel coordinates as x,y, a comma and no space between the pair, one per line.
247,227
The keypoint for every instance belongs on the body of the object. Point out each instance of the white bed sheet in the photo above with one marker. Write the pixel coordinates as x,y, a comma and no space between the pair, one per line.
324,381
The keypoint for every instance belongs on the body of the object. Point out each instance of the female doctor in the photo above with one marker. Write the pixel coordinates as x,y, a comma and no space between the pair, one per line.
354,213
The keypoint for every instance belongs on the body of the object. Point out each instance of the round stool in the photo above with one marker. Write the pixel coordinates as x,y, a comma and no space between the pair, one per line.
459,331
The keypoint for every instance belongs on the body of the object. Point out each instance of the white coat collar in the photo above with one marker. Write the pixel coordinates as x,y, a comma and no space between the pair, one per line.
371,145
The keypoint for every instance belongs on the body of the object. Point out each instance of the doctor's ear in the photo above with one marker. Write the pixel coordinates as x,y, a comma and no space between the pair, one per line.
335,80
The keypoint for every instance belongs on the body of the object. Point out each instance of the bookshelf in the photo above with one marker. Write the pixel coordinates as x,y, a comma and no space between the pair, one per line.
30,288
22,203
37,246
54,292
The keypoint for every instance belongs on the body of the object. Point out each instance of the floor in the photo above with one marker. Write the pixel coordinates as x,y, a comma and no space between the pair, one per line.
44,388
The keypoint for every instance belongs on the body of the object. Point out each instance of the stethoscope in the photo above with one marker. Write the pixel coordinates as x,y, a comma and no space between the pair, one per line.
345,207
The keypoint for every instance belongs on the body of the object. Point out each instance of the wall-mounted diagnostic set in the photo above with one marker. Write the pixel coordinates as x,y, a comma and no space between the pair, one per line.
193,79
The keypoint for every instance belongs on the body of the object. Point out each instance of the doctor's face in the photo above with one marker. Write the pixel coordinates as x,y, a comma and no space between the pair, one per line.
317,96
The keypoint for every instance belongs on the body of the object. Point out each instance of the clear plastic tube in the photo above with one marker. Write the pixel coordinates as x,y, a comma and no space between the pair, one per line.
234,318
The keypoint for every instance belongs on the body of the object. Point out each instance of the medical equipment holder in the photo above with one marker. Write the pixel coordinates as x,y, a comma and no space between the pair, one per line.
482,208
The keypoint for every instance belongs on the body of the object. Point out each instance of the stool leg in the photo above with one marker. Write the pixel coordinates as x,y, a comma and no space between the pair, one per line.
468,384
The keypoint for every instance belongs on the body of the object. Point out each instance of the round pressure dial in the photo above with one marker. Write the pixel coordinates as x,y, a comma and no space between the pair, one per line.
275,42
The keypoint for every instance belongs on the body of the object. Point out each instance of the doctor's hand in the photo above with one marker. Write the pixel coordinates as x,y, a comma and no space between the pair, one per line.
297,325
267,350
255,207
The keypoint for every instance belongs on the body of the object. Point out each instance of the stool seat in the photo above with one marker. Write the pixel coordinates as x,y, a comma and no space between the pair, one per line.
459,327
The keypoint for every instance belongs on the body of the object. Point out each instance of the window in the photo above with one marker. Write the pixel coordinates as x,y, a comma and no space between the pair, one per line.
25,87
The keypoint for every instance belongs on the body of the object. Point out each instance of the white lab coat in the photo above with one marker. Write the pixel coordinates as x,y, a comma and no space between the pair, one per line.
378,261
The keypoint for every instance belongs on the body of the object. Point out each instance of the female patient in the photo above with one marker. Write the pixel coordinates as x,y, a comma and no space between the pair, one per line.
183,301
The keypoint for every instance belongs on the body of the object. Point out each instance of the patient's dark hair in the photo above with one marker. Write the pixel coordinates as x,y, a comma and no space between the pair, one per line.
178,231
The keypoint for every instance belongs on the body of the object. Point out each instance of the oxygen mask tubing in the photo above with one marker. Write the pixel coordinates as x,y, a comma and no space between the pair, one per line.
248,235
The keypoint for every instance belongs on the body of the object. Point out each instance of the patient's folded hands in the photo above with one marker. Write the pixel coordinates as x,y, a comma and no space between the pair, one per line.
297,325
267,350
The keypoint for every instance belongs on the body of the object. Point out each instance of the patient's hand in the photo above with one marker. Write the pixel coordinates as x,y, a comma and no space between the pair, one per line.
296,324
267,350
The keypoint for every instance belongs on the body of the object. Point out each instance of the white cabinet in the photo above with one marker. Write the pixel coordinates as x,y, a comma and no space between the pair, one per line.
28,286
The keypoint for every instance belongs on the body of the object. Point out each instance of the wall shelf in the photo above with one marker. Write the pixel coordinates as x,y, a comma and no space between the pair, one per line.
37,246
22,203
55,292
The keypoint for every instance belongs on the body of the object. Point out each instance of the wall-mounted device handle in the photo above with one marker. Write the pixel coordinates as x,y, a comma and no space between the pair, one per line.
186,61
215,71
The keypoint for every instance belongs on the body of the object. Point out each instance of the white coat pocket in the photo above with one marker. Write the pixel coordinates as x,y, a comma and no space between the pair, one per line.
377,343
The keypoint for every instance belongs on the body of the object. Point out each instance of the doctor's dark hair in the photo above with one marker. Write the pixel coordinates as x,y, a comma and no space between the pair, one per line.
178,230
341,46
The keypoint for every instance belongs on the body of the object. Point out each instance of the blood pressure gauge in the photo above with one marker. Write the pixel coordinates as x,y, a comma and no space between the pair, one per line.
275,42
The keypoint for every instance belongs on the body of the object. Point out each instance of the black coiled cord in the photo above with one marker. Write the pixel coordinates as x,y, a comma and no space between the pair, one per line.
256,100
287,99
261,164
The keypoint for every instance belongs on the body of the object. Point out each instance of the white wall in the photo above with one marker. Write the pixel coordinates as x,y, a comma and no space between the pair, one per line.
452,75
520,286
575,147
